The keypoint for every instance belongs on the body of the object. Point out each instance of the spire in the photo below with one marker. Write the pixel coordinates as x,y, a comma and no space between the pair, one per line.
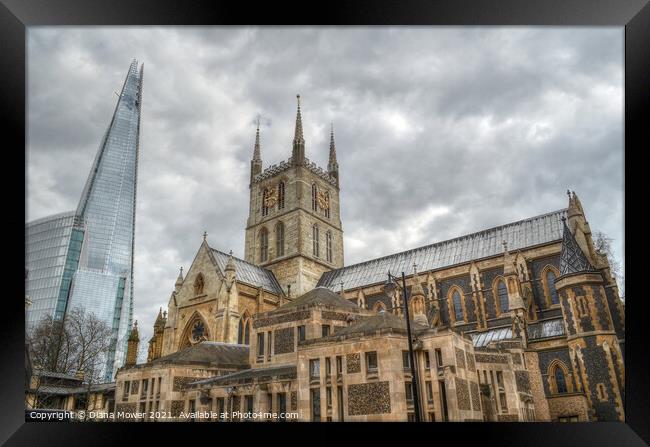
298,155
256,150
333,166
179,280
572,258
256,162
298,134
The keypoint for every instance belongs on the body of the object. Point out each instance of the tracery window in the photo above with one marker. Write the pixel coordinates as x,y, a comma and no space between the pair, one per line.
264,245
279,239
560,380
550,286
456,300
502,292
243,334
198,331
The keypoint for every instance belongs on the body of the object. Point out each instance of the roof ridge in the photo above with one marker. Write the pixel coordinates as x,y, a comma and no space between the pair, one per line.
440,243
268,271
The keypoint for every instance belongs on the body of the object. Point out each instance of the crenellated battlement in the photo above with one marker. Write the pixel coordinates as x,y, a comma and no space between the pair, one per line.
275,169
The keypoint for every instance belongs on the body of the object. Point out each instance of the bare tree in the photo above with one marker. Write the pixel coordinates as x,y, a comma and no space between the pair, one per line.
77,345
603,245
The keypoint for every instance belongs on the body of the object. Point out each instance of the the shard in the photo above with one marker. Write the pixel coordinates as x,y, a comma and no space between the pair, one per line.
85,258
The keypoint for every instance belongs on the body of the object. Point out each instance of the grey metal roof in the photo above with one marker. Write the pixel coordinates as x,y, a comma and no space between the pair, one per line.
209,352
547,328
272,371
538,330
382,321
481,339
318,296
249,273
68,390
483,244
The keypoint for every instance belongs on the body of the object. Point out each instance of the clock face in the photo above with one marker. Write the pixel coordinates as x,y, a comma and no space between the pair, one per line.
323,200
271,198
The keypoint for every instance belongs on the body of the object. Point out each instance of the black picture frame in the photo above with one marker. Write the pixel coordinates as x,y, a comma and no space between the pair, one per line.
634,15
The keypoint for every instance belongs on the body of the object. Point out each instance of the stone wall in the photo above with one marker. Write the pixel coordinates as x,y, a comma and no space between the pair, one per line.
283,341
353,362
368,398
462,394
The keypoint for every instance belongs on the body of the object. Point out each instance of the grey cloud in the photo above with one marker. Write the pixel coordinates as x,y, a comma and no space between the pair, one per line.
490,124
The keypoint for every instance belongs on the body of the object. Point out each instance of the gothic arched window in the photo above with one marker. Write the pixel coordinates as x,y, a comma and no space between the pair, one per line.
279,239
457,303
264,245
502,292
550,286
327,209
560,380
328,246
281,195
315,240
314,200
244,332
265,208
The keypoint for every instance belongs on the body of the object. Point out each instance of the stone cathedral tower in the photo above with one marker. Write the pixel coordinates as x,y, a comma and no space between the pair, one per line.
294,224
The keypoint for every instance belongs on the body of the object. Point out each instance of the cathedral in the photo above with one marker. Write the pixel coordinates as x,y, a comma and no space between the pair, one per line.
521,322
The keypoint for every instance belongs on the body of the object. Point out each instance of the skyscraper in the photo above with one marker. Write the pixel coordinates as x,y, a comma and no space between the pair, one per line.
85,258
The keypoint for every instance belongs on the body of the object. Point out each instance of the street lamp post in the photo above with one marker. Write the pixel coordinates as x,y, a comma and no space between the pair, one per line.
392,280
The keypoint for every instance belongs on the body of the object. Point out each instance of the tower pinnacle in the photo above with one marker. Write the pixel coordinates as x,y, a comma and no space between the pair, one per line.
256,162
333,166
298,155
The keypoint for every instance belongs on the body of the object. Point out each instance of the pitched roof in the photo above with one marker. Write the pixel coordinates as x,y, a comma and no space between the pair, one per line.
319,296
248,273
572,258
538,330
253,373
481,339
209,352
546,328
483,244
383,321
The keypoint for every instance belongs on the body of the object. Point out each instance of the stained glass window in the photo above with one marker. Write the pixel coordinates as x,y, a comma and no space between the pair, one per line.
503,296
550,283
560,380
458,307
198,330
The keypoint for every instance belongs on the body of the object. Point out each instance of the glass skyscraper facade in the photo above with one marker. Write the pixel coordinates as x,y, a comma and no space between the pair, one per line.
93,264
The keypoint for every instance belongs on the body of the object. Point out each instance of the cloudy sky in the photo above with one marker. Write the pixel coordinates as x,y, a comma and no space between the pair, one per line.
440,131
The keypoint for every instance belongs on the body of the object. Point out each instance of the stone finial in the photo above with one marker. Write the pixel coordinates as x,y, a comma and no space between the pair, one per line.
205,235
